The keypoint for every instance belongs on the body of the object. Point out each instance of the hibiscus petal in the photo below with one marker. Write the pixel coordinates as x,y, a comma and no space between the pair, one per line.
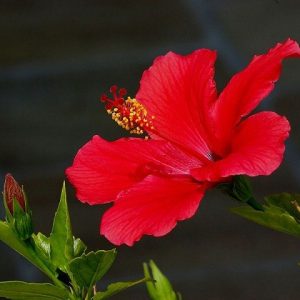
102,169
151,207
179,91
257,149
247,88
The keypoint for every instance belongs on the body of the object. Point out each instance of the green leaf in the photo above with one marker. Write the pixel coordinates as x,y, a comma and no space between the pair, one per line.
21,220
160,287
61,237
116,288
286,201
280,213
89,268
79,247
19,290
10,238
43,244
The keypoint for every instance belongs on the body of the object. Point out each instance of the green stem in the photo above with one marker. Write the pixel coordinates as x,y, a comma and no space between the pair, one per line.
26,249
39,263
254,204
76,289
89,294
239,188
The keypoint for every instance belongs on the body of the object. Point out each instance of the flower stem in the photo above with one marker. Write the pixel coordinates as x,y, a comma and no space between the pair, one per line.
239,188
26,249
254,204
39,263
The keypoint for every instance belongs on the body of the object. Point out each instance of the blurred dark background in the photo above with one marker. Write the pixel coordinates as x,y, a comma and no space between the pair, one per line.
57,57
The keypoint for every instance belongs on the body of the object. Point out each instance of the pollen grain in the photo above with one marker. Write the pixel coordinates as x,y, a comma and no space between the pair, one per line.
128,113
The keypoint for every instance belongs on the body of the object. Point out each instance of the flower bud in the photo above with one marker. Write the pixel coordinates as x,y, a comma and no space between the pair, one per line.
13,191
18,215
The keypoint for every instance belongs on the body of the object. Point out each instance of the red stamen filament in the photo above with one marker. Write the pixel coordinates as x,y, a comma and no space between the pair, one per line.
129,114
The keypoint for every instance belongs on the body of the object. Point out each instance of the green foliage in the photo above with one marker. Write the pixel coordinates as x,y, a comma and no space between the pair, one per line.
42,243
281,213
239,188
286,201
12,239
79,247
160,287
116,288
22,221
61,257
61,237
18,290
89,268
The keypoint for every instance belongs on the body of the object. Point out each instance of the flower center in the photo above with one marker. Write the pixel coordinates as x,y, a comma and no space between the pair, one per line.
127,113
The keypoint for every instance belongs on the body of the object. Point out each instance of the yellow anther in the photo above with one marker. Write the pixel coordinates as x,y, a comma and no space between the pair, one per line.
131,115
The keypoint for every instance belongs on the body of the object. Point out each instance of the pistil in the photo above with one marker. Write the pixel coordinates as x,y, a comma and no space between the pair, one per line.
127,113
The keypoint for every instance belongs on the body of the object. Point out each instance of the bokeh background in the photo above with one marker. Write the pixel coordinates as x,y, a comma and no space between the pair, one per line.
57,57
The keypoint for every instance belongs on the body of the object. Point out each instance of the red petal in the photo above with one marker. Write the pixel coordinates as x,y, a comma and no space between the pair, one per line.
247,88
102,169
179,91
257,149
151,207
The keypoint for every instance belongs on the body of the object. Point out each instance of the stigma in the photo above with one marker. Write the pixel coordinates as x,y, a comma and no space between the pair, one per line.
127,112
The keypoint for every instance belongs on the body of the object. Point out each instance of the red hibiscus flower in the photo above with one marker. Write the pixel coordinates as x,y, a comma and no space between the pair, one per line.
196,140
